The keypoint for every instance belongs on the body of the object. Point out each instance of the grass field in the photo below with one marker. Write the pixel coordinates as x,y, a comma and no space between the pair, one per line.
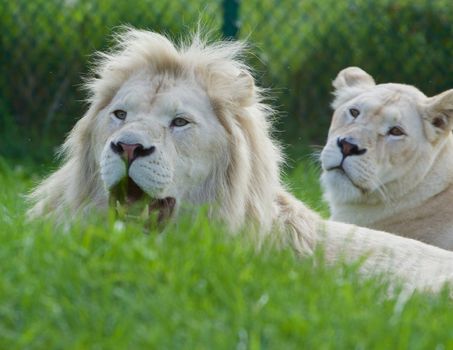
112,287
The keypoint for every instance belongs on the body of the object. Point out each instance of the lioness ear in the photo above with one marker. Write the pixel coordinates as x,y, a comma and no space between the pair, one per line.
349,83
353,77
244,89
439,114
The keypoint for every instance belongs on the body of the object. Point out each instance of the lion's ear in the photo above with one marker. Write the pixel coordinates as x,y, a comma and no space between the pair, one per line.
244,89
353,77
237,88
349,83
439,114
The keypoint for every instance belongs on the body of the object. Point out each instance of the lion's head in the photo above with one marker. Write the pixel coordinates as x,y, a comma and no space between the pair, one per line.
162,142
169,127
383,139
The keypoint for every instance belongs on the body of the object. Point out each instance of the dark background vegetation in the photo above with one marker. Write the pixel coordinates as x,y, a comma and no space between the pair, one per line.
298,48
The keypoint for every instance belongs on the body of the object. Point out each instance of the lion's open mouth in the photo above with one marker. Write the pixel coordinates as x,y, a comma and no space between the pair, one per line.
130,202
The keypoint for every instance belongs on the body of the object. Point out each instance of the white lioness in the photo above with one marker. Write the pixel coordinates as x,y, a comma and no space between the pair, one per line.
388,161
175,127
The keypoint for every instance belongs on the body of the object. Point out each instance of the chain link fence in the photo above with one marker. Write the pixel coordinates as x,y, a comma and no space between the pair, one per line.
298,48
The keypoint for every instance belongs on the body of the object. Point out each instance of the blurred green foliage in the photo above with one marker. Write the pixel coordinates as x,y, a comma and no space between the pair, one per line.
298,47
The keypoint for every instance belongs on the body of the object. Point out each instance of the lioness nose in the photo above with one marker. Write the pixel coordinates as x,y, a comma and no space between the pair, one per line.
131,151
348,148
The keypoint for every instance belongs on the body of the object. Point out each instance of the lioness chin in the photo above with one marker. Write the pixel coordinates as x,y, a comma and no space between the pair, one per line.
388,160
173,126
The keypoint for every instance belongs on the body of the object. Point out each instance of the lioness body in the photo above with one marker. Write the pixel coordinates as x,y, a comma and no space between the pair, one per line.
430,222
388,161
184,127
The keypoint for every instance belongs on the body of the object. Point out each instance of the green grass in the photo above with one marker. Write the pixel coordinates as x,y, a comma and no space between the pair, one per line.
195,287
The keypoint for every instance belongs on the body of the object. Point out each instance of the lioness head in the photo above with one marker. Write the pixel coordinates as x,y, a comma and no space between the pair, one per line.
168,126
383,138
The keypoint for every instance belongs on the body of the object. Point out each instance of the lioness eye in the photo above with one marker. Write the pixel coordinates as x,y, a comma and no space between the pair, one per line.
178,122
396,131
354,112
120,114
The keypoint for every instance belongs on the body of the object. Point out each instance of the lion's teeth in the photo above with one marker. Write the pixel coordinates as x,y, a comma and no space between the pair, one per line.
153,218
120,210
145,213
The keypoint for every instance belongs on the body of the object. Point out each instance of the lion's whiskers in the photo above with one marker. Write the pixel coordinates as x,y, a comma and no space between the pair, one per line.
382,190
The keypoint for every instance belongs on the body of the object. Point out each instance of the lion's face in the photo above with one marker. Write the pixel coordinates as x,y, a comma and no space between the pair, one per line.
159,141
374,139
382,140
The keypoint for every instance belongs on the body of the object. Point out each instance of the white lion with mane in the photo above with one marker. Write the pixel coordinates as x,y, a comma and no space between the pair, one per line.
173,127
388,160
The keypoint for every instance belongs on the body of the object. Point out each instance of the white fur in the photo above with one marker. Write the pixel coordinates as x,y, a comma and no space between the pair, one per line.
226,158
402,184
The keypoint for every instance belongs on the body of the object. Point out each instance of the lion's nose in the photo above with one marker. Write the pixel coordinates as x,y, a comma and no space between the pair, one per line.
131,151
349,148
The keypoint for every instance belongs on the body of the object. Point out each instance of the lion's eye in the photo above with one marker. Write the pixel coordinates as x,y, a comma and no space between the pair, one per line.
354,112
120,114
178,122
396,131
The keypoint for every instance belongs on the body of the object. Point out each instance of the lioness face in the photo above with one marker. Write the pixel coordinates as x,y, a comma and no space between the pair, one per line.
376,139
383,139
162,144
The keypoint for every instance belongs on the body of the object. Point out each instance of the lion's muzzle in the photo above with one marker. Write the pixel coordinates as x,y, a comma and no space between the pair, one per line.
130,152
349,147
137,175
